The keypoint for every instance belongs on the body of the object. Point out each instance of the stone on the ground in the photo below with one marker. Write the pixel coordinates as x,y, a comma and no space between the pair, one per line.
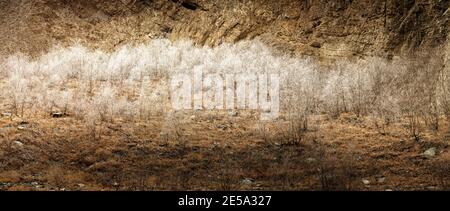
246,181
18,143
57,114
310,160
431,188
365,182
233,113
429,153
6,114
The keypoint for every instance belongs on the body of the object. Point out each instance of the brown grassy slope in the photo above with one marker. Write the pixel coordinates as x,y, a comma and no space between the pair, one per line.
325,28
334,154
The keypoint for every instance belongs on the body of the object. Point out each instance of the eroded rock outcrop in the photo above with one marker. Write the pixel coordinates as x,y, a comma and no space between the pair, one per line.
313,27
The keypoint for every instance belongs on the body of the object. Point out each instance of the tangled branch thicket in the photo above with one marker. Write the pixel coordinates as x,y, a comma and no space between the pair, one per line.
94,86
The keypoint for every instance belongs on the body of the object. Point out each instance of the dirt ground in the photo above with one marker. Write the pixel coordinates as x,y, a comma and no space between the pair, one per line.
220,151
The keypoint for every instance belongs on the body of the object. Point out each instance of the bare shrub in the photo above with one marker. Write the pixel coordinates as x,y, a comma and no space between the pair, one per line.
334,173
418,93
172,129
441,171
121,84
55,175
443,91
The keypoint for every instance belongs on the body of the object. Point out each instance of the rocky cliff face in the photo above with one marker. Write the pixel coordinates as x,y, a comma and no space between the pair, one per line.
327,29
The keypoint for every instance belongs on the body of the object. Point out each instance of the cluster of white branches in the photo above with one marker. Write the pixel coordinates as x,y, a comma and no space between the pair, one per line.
93,85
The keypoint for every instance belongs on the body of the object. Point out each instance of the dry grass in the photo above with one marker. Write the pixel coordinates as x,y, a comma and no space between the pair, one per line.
58,154
338,124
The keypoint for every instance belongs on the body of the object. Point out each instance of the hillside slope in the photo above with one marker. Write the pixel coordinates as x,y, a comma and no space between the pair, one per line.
321,28
73,118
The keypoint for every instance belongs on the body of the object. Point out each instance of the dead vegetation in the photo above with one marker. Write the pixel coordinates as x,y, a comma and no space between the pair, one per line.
58,154
342,126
